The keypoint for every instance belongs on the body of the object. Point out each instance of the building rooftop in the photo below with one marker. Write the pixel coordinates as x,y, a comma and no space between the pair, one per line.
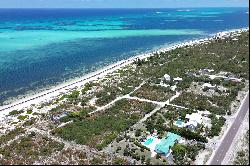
195,117
177,79
208,85
165,144
167,77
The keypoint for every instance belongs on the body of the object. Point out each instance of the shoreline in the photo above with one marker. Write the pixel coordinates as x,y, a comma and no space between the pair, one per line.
53,92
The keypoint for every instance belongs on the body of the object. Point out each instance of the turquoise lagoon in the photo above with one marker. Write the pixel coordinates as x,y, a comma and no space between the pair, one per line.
45,47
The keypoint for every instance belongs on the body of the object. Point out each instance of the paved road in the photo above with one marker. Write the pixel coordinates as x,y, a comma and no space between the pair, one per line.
228,139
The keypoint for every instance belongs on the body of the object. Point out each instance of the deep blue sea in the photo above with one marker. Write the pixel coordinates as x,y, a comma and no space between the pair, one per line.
44,47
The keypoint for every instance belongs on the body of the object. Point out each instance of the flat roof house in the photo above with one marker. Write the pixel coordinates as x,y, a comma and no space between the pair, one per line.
207,85
167,77
164,146
193,120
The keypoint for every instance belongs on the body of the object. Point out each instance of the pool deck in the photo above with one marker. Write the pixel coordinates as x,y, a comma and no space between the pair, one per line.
152,145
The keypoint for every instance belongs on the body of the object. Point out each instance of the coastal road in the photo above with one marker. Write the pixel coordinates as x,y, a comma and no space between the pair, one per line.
230,135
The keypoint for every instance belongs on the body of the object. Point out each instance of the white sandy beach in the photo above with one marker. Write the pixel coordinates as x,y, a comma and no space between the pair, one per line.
79,82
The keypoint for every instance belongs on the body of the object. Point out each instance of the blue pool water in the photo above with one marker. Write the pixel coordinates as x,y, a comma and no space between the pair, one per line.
44,47
179,122
148,141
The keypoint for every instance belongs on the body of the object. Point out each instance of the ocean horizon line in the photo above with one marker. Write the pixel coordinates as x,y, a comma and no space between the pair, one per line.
130,8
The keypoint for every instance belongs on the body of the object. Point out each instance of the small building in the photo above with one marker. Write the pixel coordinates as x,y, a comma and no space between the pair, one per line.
167,78
234,79
205,71
193,120
209,86
216,76
208,70
192,125
56,118
177,79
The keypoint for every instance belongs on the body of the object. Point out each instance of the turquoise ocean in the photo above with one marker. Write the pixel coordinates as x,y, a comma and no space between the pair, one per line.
44,47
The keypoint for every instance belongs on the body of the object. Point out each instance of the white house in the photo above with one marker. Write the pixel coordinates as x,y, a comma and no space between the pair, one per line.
205,71
194,119
207,85
208,70
167,77
173,87
234,79
178,79
215,76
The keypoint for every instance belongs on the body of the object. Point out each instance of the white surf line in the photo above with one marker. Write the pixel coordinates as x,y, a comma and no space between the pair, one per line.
49,94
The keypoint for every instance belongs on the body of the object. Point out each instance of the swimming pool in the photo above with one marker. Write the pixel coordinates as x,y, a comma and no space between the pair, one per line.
149,141
179,122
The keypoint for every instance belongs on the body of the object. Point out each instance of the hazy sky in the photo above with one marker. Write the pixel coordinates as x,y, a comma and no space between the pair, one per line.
120,3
